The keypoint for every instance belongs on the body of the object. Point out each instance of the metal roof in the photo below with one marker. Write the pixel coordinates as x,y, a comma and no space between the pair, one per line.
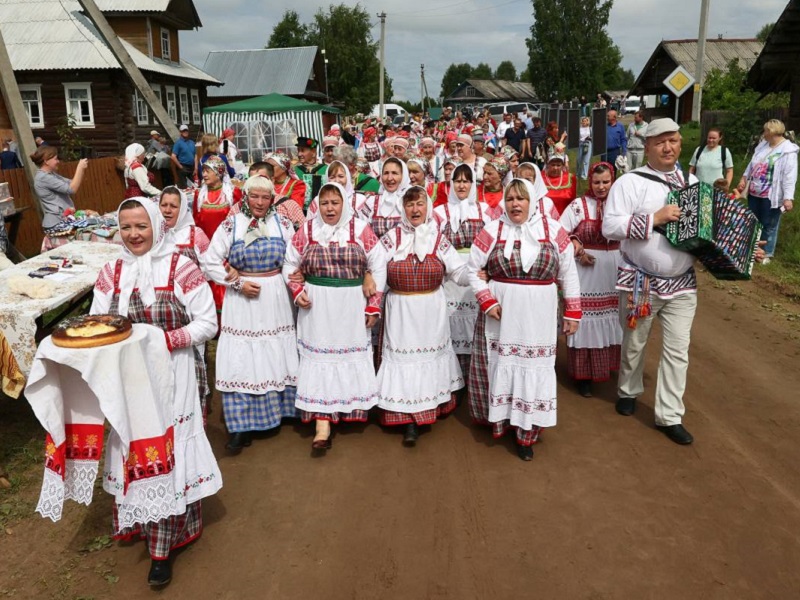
497,89
133,5
66,39
259,72
719,53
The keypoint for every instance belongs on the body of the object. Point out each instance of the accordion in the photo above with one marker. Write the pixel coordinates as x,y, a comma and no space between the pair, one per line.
719,231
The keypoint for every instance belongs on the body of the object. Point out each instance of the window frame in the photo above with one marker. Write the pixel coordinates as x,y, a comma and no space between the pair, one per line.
168,54
197,111
174,112
33,87
186,116
140,109
80,85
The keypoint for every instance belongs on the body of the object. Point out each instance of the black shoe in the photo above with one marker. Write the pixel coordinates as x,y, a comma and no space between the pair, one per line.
585,388
411,435
626,406
237,441
160,572
525,452
677,433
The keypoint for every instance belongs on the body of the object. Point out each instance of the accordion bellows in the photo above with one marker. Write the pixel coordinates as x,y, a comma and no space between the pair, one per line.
719,231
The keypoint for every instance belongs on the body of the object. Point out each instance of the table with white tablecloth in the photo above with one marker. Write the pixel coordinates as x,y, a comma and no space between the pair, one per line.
21,316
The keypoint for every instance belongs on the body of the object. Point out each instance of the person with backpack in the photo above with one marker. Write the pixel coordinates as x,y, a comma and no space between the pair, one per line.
712,160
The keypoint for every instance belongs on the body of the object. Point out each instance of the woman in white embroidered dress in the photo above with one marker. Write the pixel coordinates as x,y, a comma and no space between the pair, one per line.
336,380
461,219
419,371
512,378
257,358
594,351
153,284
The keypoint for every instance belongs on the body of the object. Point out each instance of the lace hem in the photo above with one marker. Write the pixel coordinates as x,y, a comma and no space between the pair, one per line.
51,498
148,501
79,480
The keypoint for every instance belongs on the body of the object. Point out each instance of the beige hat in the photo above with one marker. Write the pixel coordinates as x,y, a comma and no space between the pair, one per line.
154,132
659,126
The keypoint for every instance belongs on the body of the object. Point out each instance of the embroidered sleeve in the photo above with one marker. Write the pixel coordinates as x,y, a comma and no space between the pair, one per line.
201,241
299,240
640,227
561,236
228,223
178,338
572,308
105,280
290,212
484,241
374,304
494,213
189,277
388,240
569,283
486,300
368,238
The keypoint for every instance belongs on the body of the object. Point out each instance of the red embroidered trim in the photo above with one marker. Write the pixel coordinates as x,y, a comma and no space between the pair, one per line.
105,280
296,289
484,240
368,238
168,340
150,457
189,277
178,338
486,300
562,239
201,241
81,442
299,240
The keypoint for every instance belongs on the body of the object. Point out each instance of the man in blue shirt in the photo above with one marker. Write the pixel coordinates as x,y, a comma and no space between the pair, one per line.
616,139
184,156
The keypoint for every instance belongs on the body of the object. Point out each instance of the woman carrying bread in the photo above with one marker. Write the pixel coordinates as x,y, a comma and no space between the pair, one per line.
152,284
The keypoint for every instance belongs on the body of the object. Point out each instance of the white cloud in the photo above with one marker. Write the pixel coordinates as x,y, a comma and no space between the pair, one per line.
418,31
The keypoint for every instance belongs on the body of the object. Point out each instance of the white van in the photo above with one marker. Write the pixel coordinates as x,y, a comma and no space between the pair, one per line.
632,104
389,110
518,109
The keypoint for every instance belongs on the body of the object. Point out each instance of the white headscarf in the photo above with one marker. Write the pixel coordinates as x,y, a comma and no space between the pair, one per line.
392,202
185,216
419,239
133,152
539,188
461,210
324,234
524,232
138,271
348,187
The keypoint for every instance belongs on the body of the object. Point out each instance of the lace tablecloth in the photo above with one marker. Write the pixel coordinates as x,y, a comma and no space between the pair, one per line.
18,313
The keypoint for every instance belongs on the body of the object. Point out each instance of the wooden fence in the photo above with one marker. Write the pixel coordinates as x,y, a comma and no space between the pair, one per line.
102,190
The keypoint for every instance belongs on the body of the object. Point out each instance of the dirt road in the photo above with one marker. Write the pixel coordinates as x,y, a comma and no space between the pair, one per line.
609,508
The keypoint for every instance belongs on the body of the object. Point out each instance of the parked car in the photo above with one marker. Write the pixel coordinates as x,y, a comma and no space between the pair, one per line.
518,109
632,104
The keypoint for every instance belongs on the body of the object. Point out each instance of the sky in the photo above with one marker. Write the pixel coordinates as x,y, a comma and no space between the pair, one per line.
438,33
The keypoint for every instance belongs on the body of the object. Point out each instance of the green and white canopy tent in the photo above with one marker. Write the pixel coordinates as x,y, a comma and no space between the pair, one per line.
266,124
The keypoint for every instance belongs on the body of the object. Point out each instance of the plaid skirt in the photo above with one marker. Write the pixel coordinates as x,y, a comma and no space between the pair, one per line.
356,416
593,364
257,412
478,391
167,534
425,417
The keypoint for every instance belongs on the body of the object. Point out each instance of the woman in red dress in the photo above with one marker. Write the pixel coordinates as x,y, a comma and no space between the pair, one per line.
561,184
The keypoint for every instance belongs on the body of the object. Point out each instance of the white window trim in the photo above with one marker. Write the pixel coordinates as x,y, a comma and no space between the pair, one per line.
169,44
34,87
138,100
74,85
167,90
186,117
196,113
149,38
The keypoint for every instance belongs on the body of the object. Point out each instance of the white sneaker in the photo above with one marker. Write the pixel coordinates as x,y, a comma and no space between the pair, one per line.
766,260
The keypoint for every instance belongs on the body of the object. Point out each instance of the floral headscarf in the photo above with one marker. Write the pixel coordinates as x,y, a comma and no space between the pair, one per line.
501,165
284,161
217,165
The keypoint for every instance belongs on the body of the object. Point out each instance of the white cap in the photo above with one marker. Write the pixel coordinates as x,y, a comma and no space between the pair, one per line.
184,128
659,126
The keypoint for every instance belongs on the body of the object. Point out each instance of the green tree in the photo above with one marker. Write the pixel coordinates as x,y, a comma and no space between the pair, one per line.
764,32
353,67
482,71
506,71
289,32
569,51
622,79
453,77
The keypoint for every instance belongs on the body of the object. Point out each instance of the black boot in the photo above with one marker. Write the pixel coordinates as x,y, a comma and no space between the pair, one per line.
525,452
585,388
411,435
160,572
238,440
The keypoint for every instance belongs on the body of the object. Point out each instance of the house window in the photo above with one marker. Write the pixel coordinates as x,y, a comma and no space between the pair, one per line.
196,114
142,112
166,52
79,103
172,106
183,96
469,91
32,101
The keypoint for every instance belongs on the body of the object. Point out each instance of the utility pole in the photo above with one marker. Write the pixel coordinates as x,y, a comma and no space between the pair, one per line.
381,112
126,62
19,120
701,55
422,87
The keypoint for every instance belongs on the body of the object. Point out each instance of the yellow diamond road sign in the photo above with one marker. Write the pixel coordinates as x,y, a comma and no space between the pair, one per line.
679,81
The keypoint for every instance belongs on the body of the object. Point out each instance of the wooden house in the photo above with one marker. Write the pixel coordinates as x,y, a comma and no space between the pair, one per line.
62,66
